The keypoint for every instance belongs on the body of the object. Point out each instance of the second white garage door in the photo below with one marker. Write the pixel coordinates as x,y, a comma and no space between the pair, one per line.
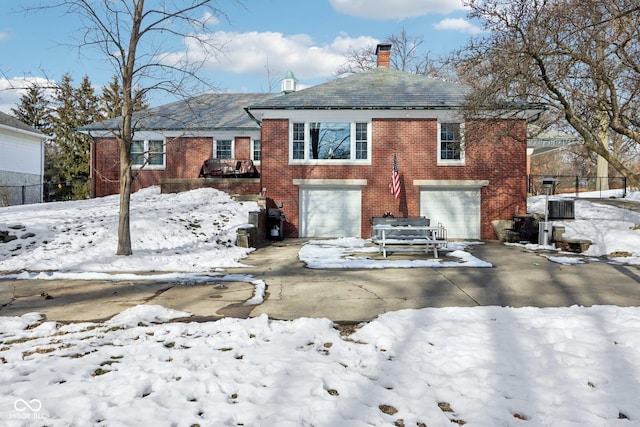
457,209
330,211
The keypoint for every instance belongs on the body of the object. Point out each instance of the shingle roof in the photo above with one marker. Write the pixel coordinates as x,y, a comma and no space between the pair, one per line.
10,121
204,112
377,88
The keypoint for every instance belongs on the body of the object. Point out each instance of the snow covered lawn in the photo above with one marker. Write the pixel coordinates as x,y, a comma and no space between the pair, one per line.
486,366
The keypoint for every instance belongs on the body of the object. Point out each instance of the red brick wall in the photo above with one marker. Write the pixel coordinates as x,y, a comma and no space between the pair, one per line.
242,147
184,158
105,174
245,186
495,151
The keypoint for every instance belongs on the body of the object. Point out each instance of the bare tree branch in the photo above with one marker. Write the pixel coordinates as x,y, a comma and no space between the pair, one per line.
577,57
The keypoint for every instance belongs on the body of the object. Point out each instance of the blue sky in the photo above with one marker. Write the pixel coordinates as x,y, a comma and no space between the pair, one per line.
309,38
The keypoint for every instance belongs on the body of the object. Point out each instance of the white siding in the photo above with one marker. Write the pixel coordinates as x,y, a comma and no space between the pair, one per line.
20,154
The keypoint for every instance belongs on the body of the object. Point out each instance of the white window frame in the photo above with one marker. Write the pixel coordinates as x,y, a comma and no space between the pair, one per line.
233,146
146,164
451,162
253,150
352,144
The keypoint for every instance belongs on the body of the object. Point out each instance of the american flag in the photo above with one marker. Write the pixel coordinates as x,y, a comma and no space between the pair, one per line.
395,179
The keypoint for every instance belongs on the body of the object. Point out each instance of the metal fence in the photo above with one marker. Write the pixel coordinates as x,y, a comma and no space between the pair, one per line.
587,186
11,195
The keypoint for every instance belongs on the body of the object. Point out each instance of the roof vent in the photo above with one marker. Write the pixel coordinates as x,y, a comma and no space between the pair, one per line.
289,83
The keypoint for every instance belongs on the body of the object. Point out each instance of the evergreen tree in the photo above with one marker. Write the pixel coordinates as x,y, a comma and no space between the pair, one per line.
34,109
74,107
111,100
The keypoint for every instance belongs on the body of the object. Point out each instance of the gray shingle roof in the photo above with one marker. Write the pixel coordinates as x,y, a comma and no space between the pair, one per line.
204,112
10,121
377,88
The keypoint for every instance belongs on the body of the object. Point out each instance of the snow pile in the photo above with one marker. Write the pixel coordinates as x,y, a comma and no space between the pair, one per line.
613,231
192,231
483,366
346,253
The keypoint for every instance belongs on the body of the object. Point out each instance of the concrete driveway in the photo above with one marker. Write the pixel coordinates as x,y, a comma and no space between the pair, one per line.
519,278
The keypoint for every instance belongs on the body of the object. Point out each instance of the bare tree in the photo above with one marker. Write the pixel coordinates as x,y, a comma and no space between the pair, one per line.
579,58
358,60
134,37
407,54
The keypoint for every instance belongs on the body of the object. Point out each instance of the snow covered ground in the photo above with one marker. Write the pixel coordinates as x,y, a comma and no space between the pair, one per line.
484,366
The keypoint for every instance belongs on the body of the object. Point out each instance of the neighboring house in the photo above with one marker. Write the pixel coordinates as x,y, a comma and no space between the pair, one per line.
174,140
21,162
326,153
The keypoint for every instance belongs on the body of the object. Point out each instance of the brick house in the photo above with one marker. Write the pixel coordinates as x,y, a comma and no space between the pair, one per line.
173,140
327,155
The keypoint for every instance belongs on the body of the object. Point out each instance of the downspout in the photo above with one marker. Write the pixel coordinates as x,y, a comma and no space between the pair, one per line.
252,117
42,143
92,163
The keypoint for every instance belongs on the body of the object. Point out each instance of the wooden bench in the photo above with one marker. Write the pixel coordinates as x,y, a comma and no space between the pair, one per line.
395,234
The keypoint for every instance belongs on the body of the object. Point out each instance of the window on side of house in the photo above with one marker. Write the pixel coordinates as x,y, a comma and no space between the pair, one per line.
451,143
256,152
297,141
329,141
148,153
224,149
362,141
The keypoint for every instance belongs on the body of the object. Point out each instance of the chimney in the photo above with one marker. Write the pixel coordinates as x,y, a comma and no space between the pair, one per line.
383,52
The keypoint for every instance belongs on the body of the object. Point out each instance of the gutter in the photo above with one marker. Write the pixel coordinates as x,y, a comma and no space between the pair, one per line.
251,116
36,134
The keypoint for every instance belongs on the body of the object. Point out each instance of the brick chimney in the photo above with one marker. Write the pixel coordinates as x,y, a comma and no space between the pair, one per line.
383,52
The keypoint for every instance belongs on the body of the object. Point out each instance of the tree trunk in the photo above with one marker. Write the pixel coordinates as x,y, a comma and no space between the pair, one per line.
126,134
602,182
124,229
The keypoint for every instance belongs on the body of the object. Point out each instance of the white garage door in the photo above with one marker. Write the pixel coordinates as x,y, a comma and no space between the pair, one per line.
457,209
330,211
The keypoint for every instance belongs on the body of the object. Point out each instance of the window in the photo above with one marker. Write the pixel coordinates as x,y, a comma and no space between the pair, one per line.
298,141
223,149
256,152
148,153
361,141
451,143
329,141
137,153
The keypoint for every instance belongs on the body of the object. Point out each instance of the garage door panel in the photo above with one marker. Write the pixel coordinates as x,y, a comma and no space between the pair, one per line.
457,209
330,212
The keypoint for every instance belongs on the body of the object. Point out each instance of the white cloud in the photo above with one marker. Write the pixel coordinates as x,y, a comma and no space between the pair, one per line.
12,89
394,9
4,35
254,52
458,24
209,19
